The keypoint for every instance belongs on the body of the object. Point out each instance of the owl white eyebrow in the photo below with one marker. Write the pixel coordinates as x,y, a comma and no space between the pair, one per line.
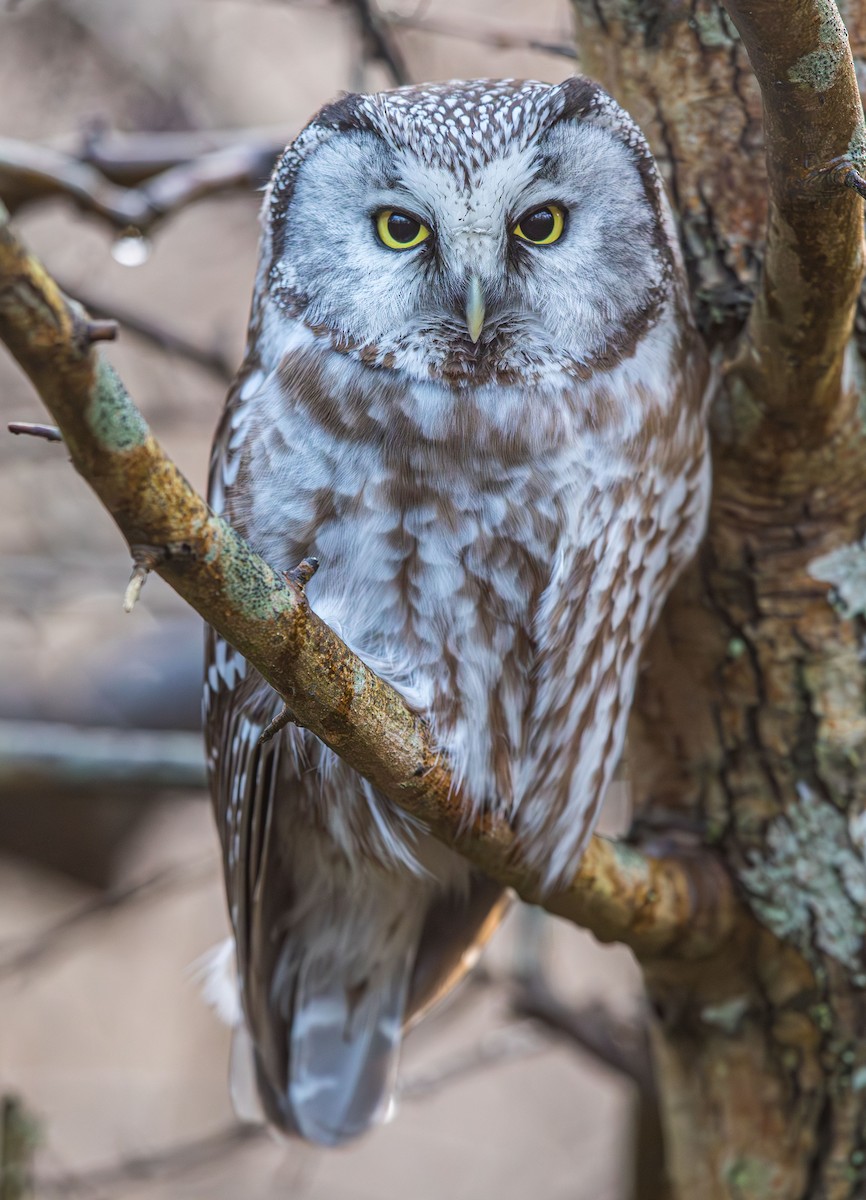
401,201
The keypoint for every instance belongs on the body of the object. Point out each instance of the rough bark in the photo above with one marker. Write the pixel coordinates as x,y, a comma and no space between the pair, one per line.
749,731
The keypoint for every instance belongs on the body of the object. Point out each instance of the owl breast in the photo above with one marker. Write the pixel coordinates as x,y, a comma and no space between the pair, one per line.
484,554
433,551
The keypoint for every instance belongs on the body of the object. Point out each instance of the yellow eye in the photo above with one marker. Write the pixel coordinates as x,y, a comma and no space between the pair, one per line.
542,226
399,231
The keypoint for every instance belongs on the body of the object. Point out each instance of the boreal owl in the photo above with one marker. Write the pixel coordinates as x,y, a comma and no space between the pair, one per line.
473,390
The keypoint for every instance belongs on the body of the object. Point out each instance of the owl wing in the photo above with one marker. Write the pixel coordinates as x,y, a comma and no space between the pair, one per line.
613,569
237,705
304,1065
250,783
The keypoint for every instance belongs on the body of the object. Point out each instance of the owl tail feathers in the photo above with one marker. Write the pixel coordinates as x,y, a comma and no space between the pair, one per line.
343,1051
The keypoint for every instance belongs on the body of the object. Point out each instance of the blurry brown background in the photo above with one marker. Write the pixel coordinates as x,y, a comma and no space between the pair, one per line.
109,890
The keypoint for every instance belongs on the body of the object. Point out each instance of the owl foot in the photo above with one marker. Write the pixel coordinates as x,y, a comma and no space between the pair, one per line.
283,718
301,575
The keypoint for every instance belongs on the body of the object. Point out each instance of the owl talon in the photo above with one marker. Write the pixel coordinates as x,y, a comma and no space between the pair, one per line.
283,718
301,575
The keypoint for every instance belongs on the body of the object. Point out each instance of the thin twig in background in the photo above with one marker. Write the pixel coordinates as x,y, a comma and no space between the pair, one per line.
156,334
176,1160
512,1042
53,755
621,1045
39,946
495,39
30,172
377,41
129,157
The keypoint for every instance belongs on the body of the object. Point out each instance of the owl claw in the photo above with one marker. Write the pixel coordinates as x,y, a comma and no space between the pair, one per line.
301,575
283,718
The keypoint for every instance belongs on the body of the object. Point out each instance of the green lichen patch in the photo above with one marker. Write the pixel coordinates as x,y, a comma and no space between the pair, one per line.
858,1079
845,570
819,68
809,884
736,648
112,416
750,1178
857,145
714,28
727,1016
359,681
251,585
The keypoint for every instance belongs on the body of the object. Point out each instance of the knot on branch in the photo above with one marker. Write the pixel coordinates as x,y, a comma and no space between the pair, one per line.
148,558
298,577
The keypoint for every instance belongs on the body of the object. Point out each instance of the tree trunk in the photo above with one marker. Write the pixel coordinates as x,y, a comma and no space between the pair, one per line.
749,731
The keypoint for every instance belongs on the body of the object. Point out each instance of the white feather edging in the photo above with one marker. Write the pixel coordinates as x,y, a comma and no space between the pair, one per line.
216,973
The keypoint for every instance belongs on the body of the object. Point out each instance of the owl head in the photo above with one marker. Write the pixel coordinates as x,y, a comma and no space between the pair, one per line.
469,230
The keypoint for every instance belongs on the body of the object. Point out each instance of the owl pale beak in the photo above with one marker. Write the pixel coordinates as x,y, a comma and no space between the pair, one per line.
474,308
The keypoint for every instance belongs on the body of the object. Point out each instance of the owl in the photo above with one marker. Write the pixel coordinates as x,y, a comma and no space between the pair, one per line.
473,391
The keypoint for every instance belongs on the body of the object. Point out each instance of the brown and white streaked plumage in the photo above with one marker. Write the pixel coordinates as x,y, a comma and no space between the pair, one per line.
495,445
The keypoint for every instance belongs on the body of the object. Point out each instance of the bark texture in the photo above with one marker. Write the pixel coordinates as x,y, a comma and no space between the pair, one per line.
750,729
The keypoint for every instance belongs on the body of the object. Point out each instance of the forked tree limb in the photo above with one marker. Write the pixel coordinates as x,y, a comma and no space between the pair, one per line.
800,324
683,906
30,172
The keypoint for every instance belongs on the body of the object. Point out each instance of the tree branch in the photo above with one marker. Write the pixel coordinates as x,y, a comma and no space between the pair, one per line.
30,172
490,36
623,1046
378,41
173,1161
130,157
52,756
39,946
212,360
794,344
674,905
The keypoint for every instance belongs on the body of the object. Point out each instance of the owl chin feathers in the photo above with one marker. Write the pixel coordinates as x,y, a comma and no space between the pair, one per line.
492,435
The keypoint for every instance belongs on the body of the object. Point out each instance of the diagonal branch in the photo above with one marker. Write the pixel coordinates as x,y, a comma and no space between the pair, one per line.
674,905
214,360
795,340
490,35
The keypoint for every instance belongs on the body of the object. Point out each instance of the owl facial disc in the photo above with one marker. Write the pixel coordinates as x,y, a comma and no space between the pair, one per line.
485,230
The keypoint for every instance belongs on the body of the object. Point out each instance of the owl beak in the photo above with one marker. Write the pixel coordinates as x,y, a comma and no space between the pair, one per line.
474,308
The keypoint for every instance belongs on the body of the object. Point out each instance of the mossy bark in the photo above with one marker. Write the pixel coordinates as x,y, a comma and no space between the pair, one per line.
749,732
